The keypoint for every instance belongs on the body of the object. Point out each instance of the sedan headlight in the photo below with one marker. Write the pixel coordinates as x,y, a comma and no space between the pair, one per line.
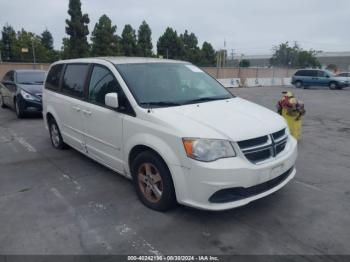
208,150
28,96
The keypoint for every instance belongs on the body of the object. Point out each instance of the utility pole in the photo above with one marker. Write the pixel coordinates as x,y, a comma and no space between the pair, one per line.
34,57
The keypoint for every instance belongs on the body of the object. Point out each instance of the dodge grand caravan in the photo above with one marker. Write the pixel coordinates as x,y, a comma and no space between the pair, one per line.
171,128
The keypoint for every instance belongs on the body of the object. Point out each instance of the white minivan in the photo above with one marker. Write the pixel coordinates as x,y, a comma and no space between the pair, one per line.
171,128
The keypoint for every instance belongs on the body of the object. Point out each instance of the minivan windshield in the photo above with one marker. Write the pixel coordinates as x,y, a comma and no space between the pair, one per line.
31,78
170,84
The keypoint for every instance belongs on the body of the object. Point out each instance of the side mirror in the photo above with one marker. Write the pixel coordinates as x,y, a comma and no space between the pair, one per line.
327,76
111,100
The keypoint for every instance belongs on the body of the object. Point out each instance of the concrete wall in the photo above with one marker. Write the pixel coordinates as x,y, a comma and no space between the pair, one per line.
5,67
235,72
229,77
220,73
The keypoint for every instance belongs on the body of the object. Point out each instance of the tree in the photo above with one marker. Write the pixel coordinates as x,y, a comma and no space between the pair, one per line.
332,68
192,52
77,29
129,42
244,63
308,59
287,56
8,43
144,40
208,57
169,45
104,40
47,40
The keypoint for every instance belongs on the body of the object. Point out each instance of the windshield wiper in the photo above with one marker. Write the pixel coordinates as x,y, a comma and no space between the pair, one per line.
39,82
160,104
205,99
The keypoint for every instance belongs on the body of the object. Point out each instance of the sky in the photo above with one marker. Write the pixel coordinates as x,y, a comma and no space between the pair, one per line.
246,26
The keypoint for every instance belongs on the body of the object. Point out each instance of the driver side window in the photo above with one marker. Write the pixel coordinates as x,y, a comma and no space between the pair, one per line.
102,82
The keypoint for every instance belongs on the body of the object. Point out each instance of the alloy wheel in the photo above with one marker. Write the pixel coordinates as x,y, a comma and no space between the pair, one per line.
150,182
55,135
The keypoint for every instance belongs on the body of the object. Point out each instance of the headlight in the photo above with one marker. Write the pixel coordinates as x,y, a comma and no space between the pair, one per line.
208,150
27,96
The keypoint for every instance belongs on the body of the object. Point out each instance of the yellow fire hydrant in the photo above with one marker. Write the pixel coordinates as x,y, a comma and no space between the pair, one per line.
293,111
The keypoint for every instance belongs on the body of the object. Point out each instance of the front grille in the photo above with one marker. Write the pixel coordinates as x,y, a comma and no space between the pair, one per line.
260,149
258,156
278,135
253,142
239,193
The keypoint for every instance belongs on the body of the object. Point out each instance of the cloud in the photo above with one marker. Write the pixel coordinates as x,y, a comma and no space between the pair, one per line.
248,26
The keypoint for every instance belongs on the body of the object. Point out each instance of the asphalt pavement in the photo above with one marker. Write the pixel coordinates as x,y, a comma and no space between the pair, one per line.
61,202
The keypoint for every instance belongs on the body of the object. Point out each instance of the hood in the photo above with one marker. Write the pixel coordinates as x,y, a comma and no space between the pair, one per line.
234,119
32,89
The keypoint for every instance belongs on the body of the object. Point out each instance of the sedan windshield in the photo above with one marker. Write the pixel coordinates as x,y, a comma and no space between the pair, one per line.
170,84
31,78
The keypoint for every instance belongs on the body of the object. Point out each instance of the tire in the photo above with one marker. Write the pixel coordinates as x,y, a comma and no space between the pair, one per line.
18,110
2,104
152,181
333,85
299,84
55,135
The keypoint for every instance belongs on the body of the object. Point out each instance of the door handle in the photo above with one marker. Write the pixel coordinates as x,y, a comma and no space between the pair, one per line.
86,112
77,108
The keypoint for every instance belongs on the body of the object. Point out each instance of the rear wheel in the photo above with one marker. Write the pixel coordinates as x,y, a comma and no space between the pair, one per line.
153,182
55,135
333,85
18,109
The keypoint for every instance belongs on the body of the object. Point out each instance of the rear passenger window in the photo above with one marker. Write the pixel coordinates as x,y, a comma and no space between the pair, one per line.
312,73
102,82
74,80
53,78
321,74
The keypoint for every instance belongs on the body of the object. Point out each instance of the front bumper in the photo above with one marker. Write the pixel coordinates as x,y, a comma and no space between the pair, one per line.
29,106
197,185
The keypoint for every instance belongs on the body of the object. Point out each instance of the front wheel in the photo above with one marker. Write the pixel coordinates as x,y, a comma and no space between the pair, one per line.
55,135
333,85
18,109
153,182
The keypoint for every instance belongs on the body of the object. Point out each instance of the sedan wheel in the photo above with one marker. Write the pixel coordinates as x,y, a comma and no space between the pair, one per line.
18,110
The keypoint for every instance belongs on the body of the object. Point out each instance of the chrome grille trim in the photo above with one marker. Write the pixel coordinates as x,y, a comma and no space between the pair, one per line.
275,144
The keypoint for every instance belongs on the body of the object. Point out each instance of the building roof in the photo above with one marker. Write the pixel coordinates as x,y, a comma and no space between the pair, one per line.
318,54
